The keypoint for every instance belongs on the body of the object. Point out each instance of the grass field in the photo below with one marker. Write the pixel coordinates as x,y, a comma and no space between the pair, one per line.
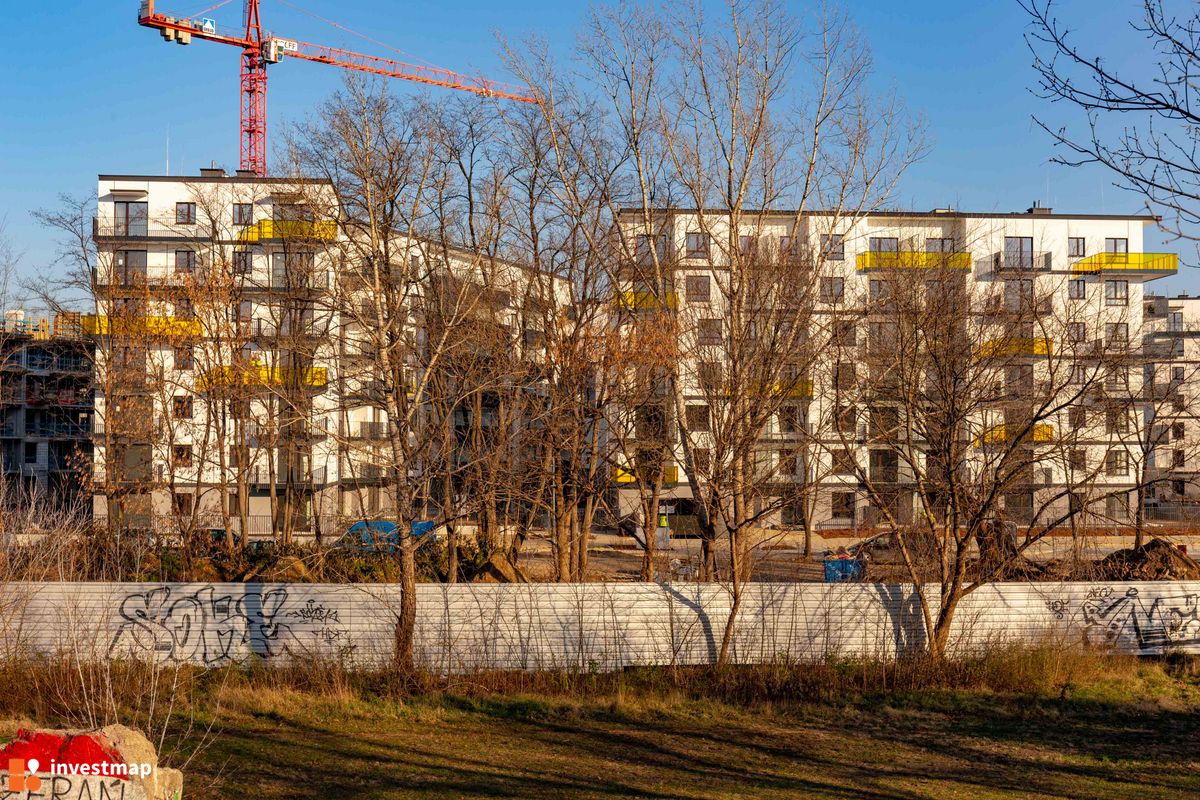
1034,722
1129,735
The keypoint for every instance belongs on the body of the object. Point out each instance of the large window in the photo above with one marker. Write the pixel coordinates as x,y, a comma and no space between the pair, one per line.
1120,246
1018,252
698,419
1076,247
939,244
185,260
884,244
1116,293
708,331
1077,289
833,247
130,218
833,290
698,288
696,245
842,505
243,213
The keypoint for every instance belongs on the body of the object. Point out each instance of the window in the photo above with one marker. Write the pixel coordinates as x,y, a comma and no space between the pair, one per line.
182,456
31,454
710,375
1116,507
130,218
1077,417
792,419
939,245
833,290
242,263
1078,459
184,309
845,376
884,244
1018,252
1116,420
1116,334
185,260
184,359
1177,374
1077,289
696,245
1117,378
789,463
1175,322
698,419
844,333
1018,294
130,266
1116,293
1077,332
1120,246
697,288
185,213
1179,459
1178,430
292,211
843,462
1078,374
833,247
842,505
235,505
243,213
182,407
747,245
708,331
845,419
182,503
1116,463
880,292
649,247
1076,247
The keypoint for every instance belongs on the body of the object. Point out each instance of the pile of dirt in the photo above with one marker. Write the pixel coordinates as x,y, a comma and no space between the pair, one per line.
1157,560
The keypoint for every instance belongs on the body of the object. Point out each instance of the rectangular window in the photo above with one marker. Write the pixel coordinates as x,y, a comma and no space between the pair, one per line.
1018,294
184,358
844,333
184,309
1077,332
1018,252
708,331
792,419
1116,463
182,407
748,245
833,247
650,247
1179,459
1178,431
1077,417
789,463
1078,458
710,376
1117,378
940,244
1116,420
182,503
130,218
1116,293
185,260
1175,322
243,213
883,244
696,245
845,376
842,505
1078,374
1116,334
843,462
182,456
242,262
699,419
698,288
833,290
31,454
845,419
1077,289
880,292
1076,247
1177,374
185,213
1117,246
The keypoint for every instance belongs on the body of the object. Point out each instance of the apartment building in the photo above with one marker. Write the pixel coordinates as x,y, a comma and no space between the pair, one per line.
1172,343
238,379
1057,296
45,408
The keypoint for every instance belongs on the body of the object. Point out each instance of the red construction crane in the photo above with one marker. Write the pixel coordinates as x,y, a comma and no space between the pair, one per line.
258,52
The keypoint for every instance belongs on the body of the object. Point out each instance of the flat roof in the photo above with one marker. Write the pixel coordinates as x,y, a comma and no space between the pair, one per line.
210,179
936,214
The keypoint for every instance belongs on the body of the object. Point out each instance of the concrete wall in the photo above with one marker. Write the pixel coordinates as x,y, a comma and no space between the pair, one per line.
583,626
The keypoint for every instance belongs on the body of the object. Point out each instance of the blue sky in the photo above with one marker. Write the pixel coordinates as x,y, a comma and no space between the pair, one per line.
105,92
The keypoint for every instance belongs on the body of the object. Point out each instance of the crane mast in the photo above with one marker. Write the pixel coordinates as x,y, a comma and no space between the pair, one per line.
258,52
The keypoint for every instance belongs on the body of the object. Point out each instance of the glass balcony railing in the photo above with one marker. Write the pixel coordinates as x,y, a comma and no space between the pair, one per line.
100,325
907,259
1001,434
1017,346
272,229
262,375
642,300
1160,263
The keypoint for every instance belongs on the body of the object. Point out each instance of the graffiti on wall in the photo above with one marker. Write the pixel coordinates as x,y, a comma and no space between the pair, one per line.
1109,616
213,626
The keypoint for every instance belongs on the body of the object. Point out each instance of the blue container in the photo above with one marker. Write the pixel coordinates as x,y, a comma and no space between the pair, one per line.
839,570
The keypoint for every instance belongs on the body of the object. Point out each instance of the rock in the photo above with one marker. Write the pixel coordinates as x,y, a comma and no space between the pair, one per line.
113,761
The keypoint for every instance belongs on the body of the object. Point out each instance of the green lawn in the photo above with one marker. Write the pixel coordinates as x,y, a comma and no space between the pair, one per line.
284,744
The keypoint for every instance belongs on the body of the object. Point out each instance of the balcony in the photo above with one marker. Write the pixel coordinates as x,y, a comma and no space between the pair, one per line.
1013,346
999,434
622,475
1138,263
794,388
266,230
100,325
905,259
644,300
104,228
261,375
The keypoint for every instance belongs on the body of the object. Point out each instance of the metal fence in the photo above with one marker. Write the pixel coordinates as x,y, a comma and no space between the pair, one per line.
595,627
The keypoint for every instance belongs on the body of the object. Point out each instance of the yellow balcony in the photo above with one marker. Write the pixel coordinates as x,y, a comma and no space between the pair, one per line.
643,300
100,325
266,229
1017,346
906,259
262,375
1160,263
797,388
623,475
999,434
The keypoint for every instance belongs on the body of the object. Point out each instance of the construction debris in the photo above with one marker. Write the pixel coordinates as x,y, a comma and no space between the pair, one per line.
1157,560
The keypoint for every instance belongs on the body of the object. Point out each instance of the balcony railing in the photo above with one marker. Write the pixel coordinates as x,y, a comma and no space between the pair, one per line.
670,474
642,300
1159,263
1010,346
262,375
275,229
1000,434
1022,262
101,325
910,259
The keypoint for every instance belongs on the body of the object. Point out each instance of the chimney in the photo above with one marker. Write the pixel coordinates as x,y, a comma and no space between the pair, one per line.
246,173
1036,208
212,172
